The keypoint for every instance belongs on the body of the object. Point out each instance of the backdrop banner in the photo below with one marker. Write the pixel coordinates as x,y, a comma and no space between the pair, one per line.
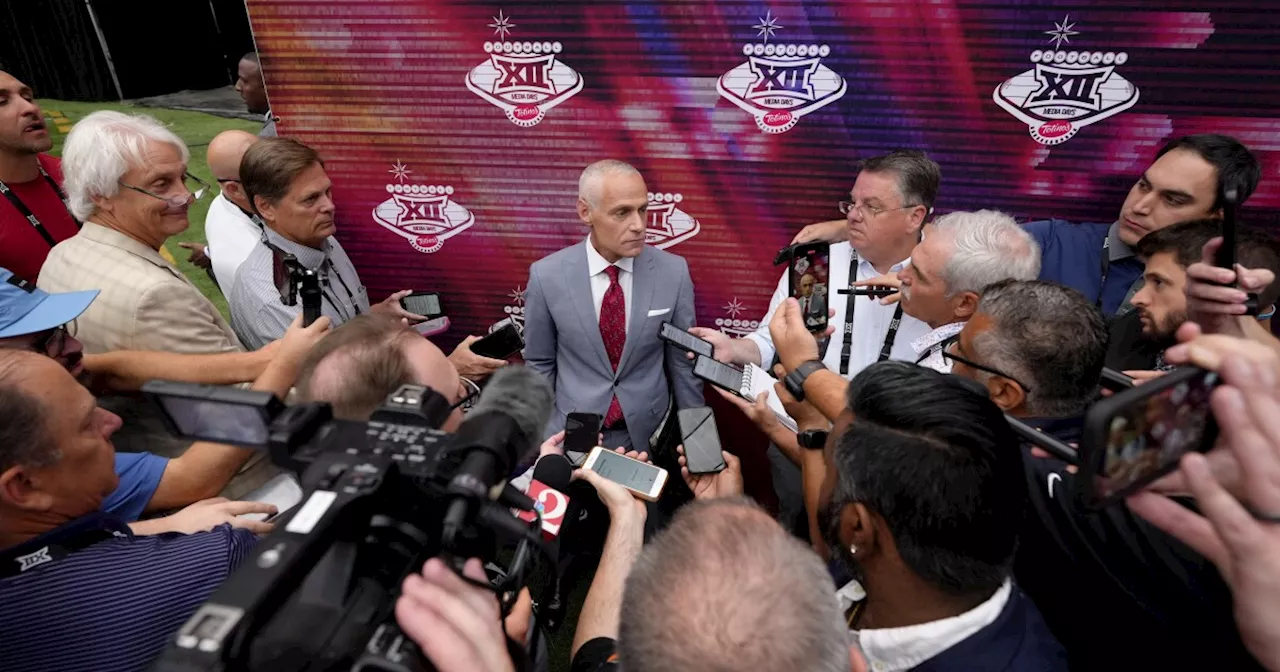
455,131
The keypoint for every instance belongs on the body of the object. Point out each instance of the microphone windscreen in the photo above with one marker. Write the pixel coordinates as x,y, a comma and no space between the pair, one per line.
521,394
554,471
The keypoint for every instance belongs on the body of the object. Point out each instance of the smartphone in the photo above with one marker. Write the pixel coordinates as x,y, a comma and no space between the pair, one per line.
685,340
873,291
643,479
1115,381
1226,256
807,276
310,292
1136,436
426,304
701,440
582,432
501,342
723,376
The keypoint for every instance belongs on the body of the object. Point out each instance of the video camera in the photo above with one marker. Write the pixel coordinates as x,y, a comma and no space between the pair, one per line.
381,497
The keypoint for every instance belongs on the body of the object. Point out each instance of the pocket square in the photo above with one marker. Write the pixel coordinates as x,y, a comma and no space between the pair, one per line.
661,311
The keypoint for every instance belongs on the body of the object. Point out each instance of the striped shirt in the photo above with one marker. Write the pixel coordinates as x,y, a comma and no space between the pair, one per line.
257,313
113,605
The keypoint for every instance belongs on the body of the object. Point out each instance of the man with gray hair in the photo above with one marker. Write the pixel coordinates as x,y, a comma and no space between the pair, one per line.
126,178
593,312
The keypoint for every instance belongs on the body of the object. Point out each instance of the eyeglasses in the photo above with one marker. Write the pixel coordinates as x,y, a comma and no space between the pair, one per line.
197,192
469,392
866,211
224,180
52,344
947,353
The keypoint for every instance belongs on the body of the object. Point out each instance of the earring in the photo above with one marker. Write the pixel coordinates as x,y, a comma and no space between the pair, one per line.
853,550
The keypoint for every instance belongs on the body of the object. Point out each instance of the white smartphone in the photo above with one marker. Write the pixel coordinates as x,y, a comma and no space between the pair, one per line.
643,479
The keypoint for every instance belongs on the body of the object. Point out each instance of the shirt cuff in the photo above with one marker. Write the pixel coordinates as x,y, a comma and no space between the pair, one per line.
766,348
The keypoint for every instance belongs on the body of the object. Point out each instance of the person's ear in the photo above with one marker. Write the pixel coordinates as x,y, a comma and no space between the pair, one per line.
19,490
1006,394
857,529
964,305
265,209
584,211
103,203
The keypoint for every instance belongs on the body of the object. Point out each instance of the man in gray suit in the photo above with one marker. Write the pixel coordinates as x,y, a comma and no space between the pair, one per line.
593,312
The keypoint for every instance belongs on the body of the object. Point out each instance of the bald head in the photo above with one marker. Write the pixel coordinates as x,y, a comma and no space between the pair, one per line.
225,152
361,362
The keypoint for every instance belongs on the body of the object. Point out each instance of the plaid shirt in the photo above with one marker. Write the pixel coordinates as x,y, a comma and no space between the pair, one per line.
145,304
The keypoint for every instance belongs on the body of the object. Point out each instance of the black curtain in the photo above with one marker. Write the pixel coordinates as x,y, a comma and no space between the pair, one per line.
51,45
237,35
176,47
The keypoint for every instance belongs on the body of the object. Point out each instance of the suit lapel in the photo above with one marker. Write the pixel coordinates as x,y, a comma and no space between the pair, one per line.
642,286
578,279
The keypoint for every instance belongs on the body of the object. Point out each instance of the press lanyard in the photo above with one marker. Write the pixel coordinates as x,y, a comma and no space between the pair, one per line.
889,337
31,216
1106,267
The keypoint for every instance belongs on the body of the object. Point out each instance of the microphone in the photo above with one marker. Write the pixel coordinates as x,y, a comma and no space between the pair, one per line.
504,428
551,477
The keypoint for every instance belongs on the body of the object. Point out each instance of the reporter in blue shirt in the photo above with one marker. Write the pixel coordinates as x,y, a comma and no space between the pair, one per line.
1186,181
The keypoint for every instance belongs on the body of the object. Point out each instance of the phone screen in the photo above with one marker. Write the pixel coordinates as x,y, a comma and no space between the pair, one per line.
217,421
1147,438
701,440
686,340
625,471
719,373
581,432
810,272
426,305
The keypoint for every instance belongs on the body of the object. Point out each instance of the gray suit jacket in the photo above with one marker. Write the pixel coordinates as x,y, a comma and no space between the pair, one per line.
563,343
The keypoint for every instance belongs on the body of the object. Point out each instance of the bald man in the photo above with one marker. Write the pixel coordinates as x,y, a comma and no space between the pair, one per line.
370,356
233,231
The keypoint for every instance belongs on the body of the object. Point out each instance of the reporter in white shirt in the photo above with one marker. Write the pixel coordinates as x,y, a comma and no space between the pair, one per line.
232,232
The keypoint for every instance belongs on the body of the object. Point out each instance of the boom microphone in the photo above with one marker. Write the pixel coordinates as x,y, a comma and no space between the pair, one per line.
503,429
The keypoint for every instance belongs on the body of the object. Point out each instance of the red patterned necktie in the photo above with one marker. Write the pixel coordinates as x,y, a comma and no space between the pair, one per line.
613,329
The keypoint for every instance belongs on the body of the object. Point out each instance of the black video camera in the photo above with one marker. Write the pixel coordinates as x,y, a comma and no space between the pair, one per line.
381,497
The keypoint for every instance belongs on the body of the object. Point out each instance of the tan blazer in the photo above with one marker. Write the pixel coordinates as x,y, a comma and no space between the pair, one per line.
145,304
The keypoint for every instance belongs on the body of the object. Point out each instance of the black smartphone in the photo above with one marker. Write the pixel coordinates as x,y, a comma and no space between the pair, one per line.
701,440
1226,256
807,276
426,304
501,342
685,340
312,296
1136,436
1115,381
582,432
724,376
873,291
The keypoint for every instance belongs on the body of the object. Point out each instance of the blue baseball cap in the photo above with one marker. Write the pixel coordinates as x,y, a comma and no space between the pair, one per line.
24,309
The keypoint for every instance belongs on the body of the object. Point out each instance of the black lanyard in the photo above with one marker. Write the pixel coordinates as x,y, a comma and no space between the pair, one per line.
1106,266
847,350
58,544
31,216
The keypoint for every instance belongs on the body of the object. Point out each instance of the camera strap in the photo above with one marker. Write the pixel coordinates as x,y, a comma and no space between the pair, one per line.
847,350
31,216
59,543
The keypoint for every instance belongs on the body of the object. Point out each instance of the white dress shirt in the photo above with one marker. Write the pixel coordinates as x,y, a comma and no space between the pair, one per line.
899,649
870,319
928,344
600,280
231,236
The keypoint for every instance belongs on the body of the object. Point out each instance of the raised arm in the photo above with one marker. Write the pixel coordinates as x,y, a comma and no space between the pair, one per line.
602,609
127,370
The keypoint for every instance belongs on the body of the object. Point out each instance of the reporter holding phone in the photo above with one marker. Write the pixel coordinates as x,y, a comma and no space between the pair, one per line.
288,188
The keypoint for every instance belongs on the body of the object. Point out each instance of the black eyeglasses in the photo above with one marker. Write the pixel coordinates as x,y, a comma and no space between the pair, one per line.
469,392
947,353
52,343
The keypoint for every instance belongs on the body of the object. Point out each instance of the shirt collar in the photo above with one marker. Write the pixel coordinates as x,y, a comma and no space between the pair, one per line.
596,263
1116,248
896,649
1062,429
309,257
896,268
108,236
936,336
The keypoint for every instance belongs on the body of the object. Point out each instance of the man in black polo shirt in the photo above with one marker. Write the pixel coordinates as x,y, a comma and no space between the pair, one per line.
80,589
1117,592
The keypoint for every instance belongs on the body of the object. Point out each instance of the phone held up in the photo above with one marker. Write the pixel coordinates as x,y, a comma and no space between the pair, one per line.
701,440
426,304
581,434
808,273
1137,435
685,340
504,340
643,479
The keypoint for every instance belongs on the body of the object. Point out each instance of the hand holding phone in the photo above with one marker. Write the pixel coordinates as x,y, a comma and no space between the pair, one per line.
685,340
701,440
503,341
643,479
426,304
582,432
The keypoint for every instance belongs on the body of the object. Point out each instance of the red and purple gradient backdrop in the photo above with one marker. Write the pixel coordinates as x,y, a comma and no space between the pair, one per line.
377,83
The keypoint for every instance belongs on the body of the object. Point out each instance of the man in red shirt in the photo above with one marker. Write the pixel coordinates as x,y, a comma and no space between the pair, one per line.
33,217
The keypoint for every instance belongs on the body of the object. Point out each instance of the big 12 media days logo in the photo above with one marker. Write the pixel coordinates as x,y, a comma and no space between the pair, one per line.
1066,90
423,214
523,79
668,224
779,84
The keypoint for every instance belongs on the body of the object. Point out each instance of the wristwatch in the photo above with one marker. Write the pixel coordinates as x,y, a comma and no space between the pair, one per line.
795,380
812,439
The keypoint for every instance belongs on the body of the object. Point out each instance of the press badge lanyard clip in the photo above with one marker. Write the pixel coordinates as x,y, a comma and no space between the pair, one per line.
847,350
60,543
31,216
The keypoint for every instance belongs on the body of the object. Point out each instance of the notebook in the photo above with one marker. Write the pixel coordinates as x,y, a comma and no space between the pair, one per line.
756,380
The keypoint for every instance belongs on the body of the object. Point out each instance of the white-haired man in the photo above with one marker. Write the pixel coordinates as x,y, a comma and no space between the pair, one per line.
593,312
126,178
